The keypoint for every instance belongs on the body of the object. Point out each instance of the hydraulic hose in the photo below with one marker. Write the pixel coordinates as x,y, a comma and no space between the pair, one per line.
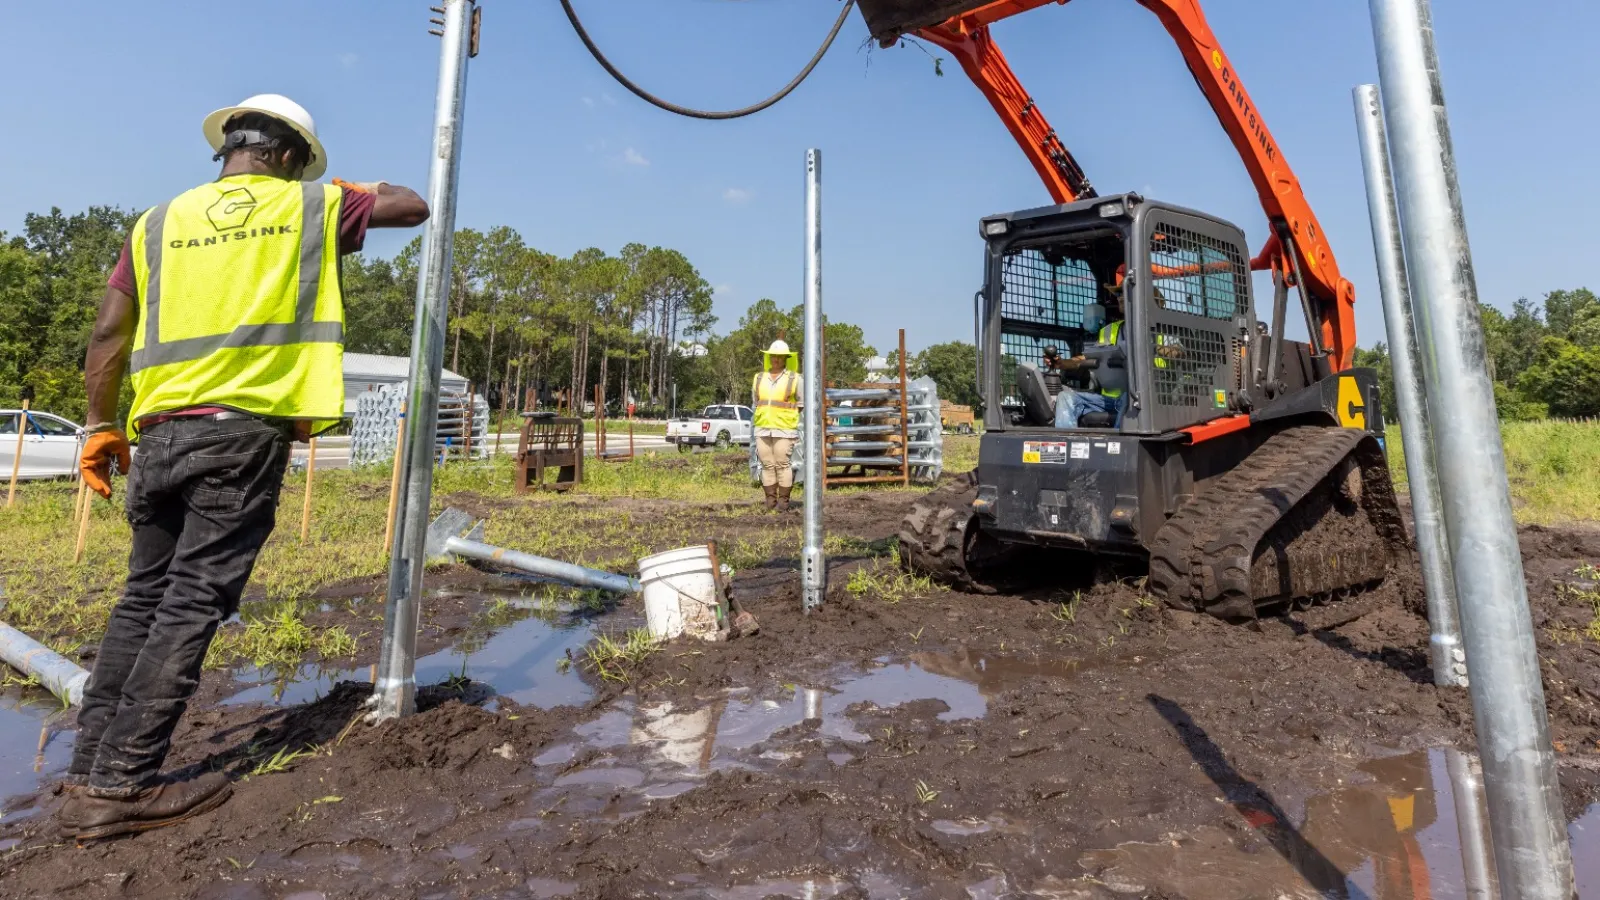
653,100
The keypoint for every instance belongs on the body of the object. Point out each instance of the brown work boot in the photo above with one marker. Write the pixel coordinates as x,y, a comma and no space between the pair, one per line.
783,497
771,491
165,804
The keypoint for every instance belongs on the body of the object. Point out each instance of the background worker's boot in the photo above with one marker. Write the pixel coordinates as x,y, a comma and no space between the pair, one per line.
165,804
772,495
783,497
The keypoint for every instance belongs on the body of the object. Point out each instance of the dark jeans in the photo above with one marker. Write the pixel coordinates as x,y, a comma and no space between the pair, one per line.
202,498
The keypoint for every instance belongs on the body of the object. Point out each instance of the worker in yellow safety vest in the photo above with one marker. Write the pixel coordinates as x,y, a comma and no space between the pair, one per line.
226,308
1106,321
775,394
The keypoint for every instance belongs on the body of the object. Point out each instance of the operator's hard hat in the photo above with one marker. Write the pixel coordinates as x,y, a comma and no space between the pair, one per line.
778,348
284,110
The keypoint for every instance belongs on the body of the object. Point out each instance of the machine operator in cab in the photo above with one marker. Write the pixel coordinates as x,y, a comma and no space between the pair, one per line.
1109,396
226,309
1106,324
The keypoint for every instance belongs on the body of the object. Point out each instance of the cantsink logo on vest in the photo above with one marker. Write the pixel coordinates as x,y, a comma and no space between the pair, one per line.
230,215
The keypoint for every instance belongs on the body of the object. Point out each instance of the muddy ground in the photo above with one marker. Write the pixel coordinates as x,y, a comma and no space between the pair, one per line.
943,745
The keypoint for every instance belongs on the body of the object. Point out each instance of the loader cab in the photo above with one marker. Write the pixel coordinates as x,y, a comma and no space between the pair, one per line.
1181,281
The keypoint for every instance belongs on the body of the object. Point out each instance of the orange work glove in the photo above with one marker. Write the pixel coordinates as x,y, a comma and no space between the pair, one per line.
98,452
365,187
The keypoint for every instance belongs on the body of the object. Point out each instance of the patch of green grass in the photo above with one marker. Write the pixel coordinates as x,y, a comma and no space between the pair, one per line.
614,658
280,638
1553,467
961,452
281,761
885,579
1591,596
1066,611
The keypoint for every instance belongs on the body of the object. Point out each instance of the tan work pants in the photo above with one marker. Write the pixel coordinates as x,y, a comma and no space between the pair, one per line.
774,455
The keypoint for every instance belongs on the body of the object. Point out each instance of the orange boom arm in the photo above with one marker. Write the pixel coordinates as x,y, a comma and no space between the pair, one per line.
962,29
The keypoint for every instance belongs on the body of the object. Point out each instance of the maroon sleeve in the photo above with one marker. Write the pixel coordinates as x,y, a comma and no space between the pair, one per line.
122,274
354,214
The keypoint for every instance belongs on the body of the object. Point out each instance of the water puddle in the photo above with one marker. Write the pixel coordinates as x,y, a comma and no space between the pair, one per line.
36,735
1408,834
518,651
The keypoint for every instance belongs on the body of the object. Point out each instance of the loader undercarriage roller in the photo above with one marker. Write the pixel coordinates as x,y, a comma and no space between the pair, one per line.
1310,516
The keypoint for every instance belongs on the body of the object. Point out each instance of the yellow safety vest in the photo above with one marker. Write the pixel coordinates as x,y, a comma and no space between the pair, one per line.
776,402
1108,336
239,301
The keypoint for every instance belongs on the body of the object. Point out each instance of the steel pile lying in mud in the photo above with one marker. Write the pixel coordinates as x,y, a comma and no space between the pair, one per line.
457,533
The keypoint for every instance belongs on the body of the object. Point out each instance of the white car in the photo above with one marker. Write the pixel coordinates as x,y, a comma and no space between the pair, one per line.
50,445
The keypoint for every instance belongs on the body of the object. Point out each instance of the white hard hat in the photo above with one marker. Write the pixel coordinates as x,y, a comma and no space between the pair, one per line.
778,348
284,110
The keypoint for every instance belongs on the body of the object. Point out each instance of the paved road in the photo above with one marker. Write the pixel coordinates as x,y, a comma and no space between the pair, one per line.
334,452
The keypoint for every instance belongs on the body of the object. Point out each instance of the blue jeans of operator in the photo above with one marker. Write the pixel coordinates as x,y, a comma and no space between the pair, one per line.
1071,405
202,497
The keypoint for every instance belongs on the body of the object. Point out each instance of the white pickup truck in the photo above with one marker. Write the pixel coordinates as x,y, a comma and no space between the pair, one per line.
722,425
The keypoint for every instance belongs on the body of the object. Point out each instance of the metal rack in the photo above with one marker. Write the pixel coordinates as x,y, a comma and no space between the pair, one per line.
867,444
375,428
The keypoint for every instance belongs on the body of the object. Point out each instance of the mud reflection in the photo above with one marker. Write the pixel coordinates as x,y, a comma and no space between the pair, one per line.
36,734
1404,835
515,645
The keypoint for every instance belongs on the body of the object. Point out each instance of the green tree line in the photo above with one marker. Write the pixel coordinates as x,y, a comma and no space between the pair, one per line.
523,322
1544,358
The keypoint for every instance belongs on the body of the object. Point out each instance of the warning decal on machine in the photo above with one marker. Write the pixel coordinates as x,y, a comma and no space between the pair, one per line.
1049,451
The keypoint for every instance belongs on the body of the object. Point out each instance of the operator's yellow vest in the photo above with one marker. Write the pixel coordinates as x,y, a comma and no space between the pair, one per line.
776,403
239,301
1108,335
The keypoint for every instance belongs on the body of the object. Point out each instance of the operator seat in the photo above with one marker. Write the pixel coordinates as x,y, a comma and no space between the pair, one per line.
1039,406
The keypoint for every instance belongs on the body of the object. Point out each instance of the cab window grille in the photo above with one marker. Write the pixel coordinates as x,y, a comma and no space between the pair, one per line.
1198,274
1021,348
1185,361
1039,293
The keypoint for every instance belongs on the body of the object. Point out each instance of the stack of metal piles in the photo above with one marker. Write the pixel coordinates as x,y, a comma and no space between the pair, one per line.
374,432
926,437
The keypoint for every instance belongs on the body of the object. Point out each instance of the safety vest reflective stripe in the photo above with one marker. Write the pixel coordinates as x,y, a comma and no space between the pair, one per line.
303,330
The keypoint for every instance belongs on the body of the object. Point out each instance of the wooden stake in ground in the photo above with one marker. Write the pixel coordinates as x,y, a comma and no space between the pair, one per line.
311,473
394,479
77,505
499,425
16,462
83,528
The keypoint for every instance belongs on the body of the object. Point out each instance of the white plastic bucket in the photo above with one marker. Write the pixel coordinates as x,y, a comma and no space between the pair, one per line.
680,594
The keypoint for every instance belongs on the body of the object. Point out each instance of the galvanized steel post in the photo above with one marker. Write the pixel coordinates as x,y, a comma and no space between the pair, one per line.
1532,856
395,691
1466,792
1416,435
813,566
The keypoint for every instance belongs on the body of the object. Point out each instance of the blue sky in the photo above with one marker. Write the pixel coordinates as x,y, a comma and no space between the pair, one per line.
103,102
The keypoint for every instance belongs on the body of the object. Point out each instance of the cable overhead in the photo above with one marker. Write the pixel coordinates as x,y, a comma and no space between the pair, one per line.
653,100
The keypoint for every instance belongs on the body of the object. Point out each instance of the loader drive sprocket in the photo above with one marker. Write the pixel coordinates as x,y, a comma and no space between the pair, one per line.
1310,516
939,538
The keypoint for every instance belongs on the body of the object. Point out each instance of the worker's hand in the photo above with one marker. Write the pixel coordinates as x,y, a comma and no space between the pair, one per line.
364,187
98,451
